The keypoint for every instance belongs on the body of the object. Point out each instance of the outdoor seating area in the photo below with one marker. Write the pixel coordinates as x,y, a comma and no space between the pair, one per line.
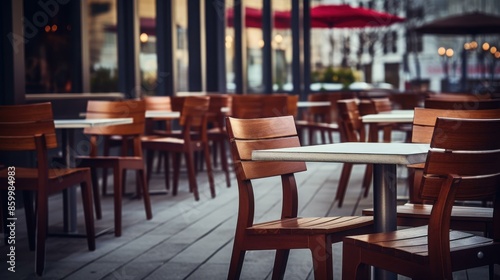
325,139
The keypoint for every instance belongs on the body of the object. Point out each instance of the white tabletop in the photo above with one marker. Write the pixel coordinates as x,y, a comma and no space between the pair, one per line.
353,152
304,104
162,114
82,123
395,116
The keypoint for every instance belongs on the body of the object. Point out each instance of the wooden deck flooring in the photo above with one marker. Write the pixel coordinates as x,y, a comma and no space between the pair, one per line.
188,239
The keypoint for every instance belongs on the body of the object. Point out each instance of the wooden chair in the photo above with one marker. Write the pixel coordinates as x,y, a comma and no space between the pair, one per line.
290,231
153,127
259,106
463,164
31,128
351,129
193,138
416,212
217,133
129,133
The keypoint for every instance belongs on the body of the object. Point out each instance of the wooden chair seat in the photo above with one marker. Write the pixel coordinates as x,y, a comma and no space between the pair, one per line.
31,173
407,250
311,226
462,217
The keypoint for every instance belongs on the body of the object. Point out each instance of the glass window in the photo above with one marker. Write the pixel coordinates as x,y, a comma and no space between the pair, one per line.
282,46
103,46
254,43
47,49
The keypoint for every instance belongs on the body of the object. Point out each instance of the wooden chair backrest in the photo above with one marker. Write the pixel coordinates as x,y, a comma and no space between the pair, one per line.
424,120
407,100
452,104
194,111
459,96
20,123
246,135
134,109
463,164
350,124
217,103
374,106
259,106
158,103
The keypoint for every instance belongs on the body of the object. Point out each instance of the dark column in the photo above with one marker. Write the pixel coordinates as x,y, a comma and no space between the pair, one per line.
12,69
297,46
306,6
194,46
79,50
240,57
128,49
215,48
165,44
267,56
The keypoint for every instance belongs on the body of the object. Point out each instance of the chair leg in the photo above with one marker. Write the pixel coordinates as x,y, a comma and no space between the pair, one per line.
176,162
225,165
352,268
280,261
106,149
210,174
321,250
237,258
141,179
343,182
41,232
166,165
117,178
192,174
149,164
29,213
97,197
88,213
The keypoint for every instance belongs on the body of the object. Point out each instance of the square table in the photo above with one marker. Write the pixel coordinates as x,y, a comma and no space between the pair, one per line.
67,127
384,156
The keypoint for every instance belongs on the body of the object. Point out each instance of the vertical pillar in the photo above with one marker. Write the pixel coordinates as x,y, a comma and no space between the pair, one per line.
215,13
297,47
128,49
194,46
12,38
80,69
240,56
306,6
267,56
165,45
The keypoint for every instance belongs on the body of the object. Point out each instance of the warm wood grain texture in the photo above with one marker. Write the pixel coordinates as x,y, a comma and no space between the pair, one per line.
290,232
432,251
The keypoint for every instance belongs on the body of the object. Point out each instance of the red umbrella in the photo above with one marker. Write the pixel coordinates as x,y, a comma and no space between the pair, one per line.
345,16
253,18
